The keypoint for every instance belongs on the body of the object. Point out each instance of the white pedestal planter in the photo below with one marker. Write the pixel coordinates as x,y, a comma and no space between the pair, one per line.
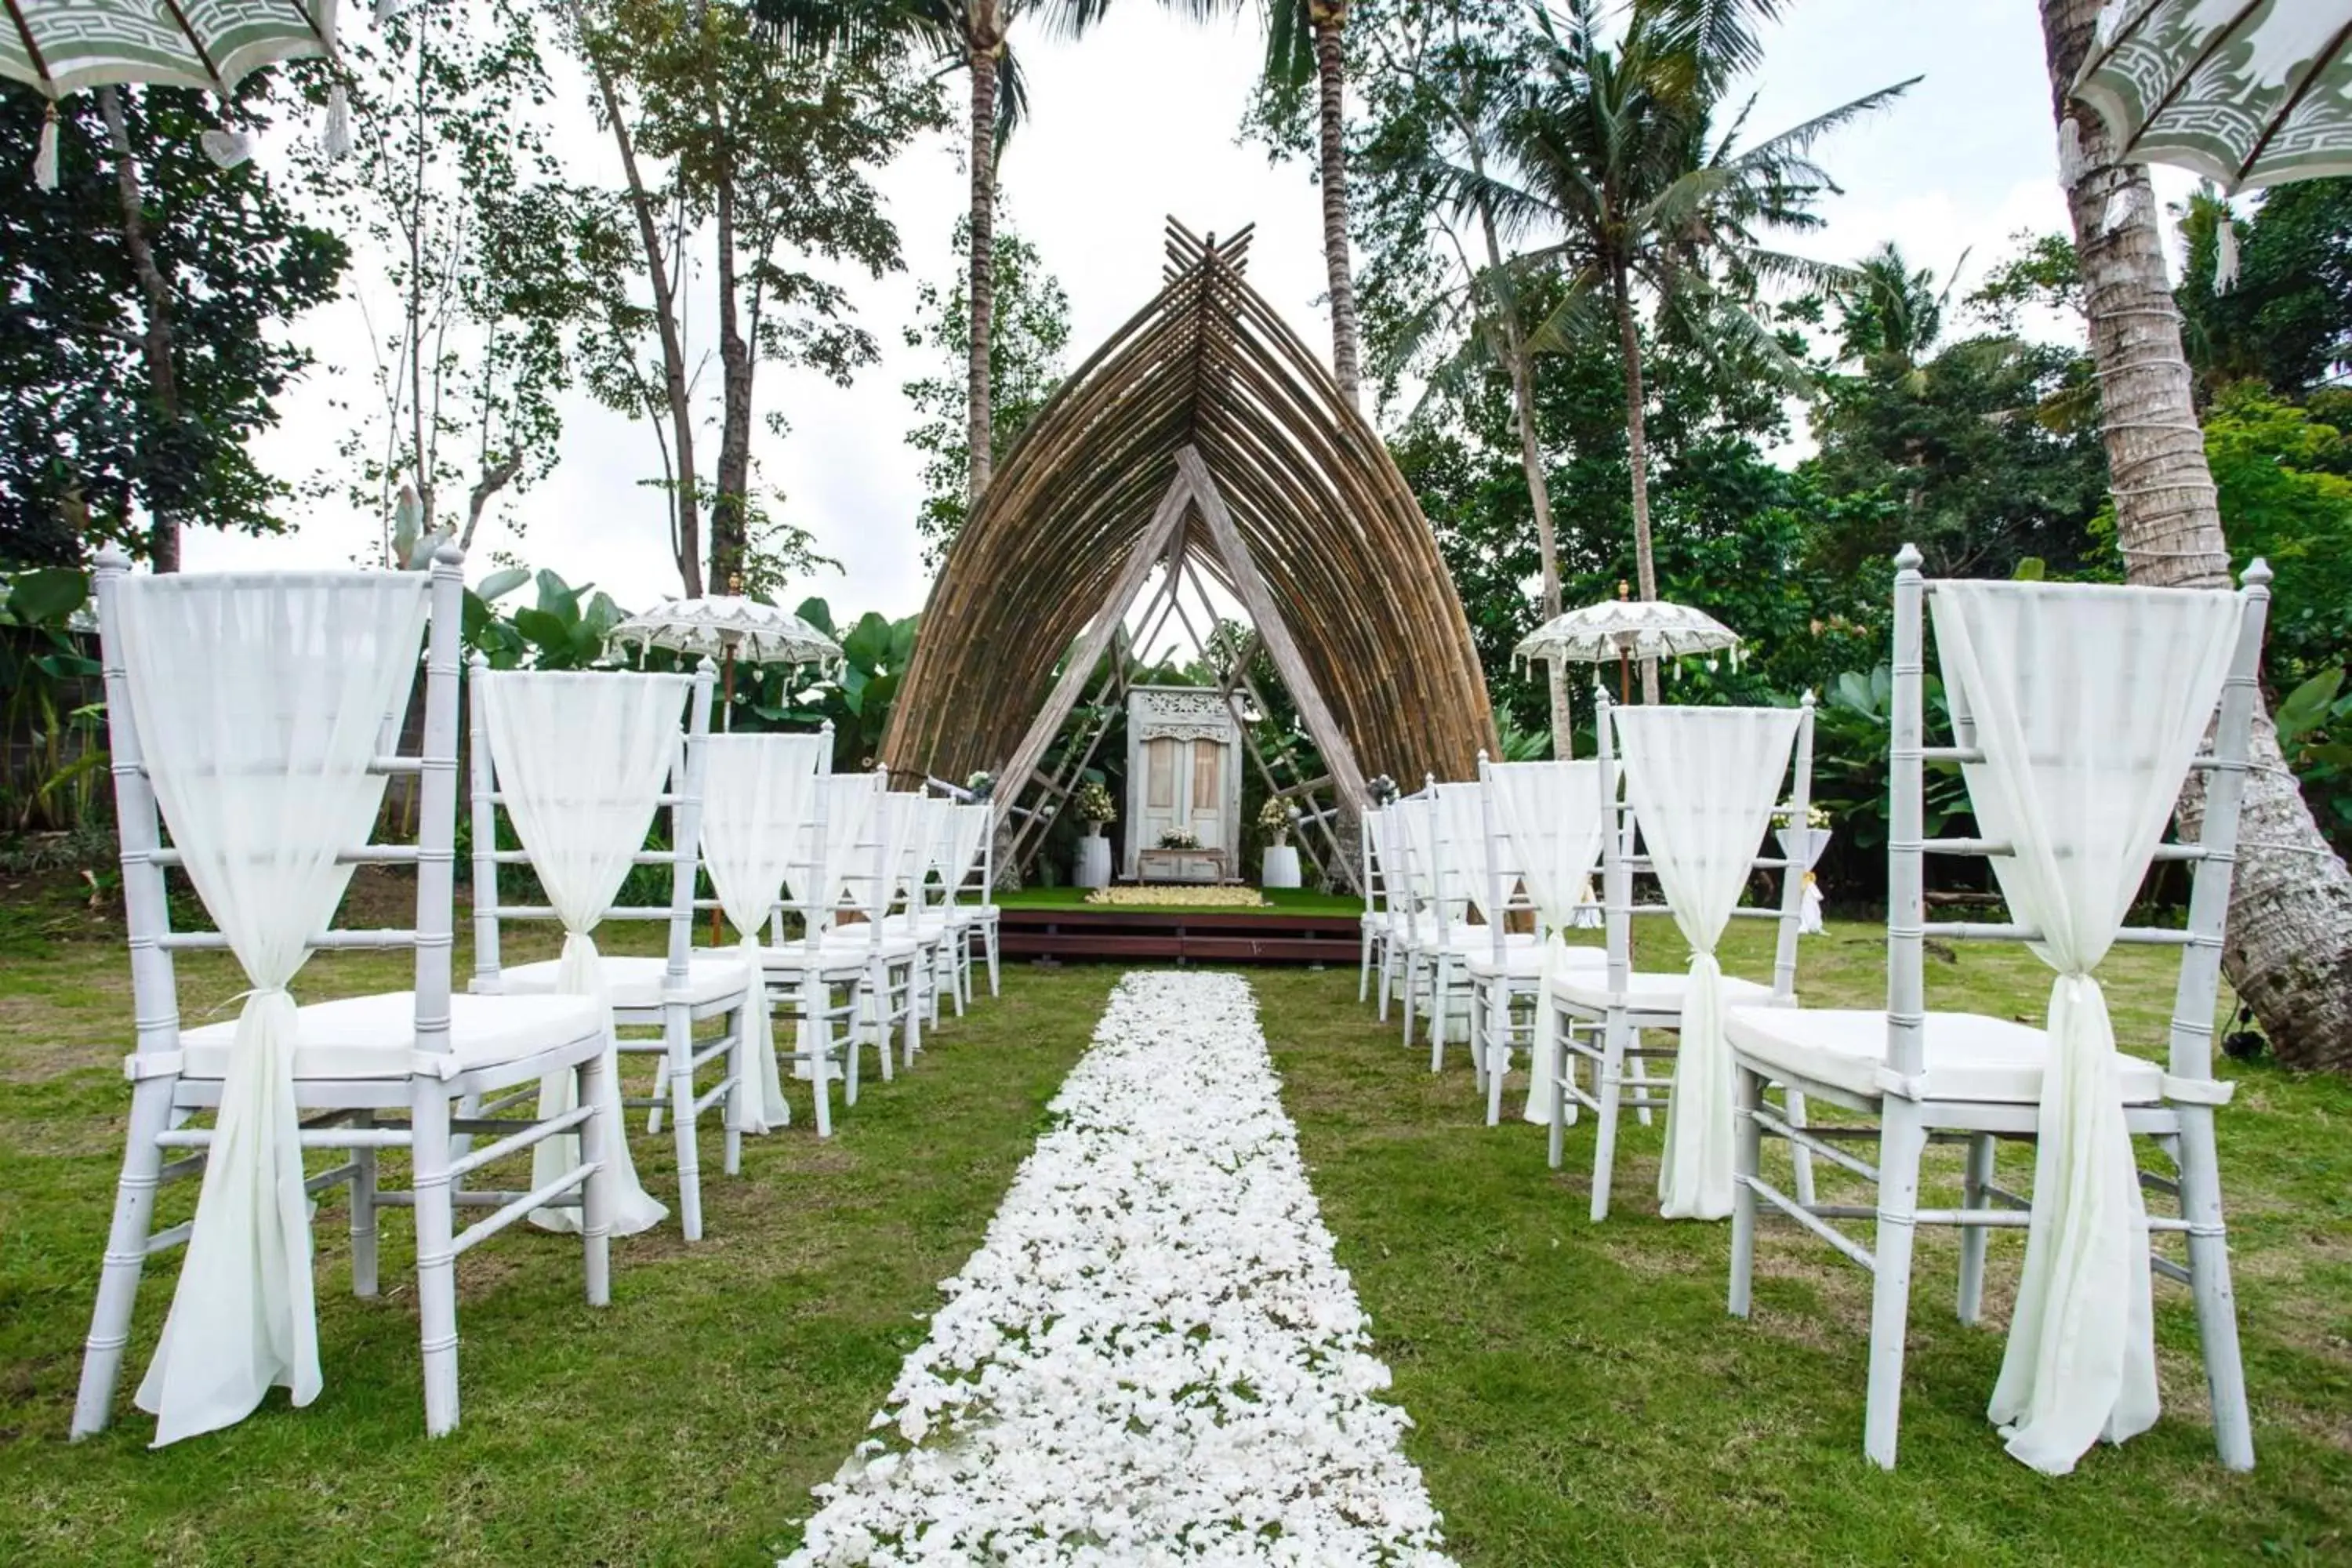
1094,862
1281,867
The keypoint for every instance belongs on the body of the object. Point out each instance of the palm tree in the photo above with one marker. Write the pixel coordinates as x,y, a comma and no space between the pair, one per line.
1305,42
1614,158
2290,941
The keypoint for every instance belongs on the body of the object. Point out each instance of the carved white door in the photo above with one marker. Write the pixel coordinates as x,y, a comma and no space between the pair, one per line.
1163,791
1204,794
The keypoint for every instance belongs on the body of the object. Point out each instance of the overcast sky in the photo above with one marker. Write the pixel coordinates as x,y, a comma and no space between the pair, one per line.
1138,121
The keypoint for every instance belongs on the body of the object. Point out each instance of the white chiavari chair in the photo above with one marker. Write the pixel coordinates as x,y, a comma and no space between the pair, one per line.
2079,710
583,764
818,980
1700,786
246,713
1542,822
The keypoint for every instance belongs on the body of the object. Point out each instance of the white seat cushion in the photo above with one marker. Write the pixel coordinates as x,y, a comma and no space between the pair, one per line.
1969,1056
1524,961
375,1036
633,981
1651,993
841,949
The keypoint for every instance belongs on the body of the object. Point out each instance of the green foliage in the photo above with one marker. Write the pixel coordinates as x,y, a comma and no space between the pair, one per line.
2285,474
87,443
2315,730
2287,320
1031,328
53,753
566,629
1851,733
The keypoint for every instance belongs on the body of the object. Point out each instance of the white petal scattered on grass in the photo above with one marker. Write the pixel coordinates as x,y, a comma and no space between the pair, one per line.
1152,1358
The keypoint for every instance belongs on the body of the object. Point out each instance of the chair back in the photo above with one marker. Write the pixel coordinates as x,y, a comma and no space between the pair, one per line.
257,715
1478,872
833,855
579,761
760,798
2078,712
1700,787
966,848
1549,815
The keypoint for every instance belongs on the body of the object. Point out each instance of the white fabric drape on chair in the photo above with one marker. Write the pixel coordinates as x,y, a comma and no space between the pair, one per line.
259,701
1703,782
1551,812
2088,703
581,758
837,861
1805,846
757,794
966,834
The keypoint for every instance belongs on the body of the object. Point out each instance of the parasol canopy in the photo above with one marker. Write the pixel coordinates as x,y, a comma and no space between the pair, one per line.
1627,628
58,47
2244,92
730,626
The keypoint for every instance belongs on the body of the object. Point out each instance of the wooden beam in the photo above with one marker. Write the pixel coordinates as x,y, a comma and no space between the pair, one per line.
1272,630
1154,543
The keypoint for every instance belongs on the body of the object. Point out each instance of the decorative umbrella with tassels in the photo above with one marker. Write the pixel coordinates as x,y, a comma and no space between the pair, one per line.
1627,630
2245,93
61,47
728,627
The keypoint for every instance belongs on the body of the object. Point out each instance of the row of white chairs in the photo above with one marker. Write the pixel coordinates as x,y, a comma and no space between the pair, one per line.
2079,712
257,716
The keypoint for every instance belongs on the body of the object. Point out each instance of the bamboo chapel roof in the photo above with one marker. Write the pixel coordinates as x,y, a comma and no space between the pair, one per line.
1330,522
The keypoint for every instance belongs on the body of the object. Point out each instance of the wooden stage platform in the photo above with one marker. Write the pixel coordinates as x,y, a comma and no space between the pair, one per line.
1180,936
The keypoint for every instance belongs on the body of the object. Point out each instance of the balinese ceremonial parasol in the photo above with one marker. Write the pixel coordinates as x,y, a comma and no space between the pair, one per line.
728,627
58,47
2244,92
1625,630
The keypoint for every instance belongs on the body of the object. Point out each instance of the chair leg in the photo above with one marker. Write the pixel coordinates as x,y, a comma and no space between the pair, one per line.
1799,1156
1475,1016
596,1135
1364,969
1637,1073
1440,1008
744,1069
1388,978
2208,1282
853,1024
1747,1161
1974,1238
1412,994
678,1029
437,1258
1556,1141
126,1255
913,1039
1901,1142
363,1212
991,929
1498,1048
879,1010
1604,1139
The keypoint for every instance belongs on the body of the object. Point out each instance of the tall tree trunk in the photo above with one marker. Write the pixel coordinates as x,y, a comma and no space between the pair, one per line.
1523,401
155,342
1637,457
687,506
2289,950
986,45
1329,18
730,509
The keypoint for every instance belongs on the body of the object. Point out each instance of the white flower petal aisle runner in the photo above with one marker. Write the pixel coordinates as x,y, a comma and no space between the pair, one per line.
1153,1357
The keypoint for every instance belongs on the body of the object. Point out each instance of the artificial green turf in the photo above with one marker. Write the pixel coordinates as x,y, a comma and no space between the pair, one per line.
1578,1393
1291,901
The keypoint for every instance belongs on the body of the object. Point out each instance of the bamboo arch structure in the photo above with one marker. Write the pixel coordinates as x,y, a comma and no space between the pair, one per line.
1203,436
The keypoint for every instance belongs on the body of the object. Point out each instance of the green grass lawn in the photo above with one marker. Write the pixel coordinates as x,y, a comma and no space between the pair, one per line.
1578,1391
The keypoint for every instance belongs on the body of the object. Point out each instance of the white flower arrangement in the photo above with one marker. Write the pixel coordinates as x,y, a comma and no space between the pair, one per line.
1093,803
1276,816
1153,1356
1816,813
1178,895
1179,839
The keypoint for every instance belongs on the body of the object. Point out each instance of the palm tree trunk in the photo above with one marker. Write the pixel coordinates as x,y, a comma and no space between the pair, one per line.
155,342
2289,951
987,39
1637,457
1523,400
685,505
1329,18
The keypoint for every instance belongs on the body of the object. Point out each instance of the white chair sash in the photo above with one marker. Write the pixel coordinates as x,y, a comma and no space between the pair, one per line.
967,836
1552,813
579,759
758,793
259,701
1804,849
2088,703
1703,782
